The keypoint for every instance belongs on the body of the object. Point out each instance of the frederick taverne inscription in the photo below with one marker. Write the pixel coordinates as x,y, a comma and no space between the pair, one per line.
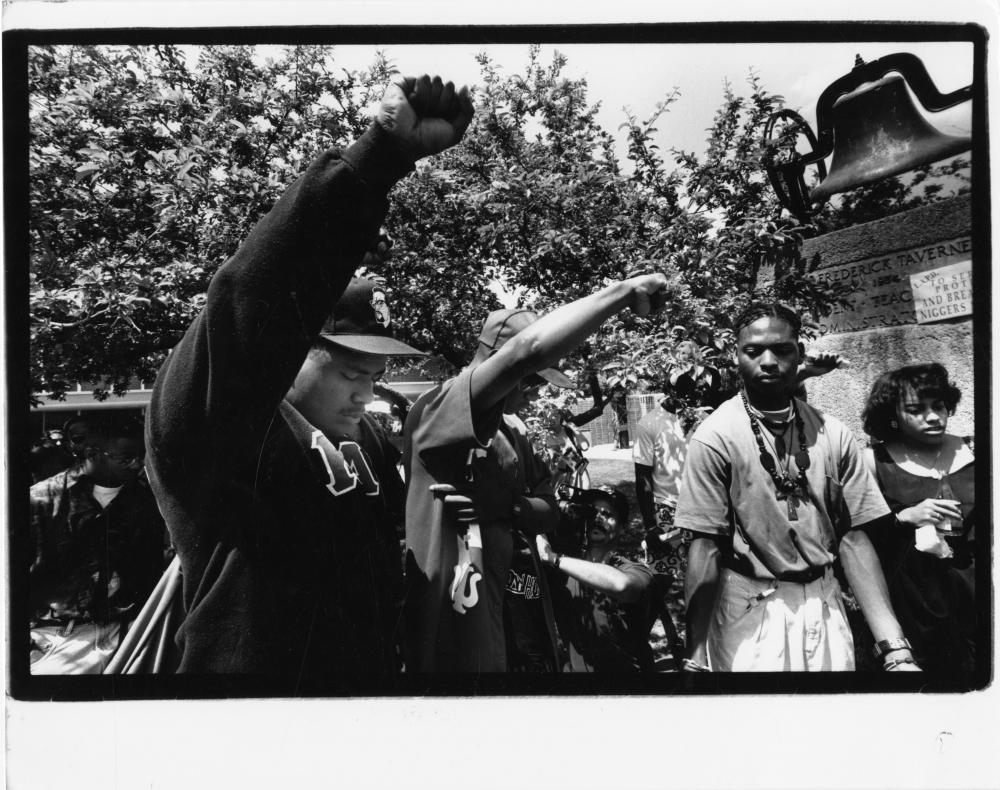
881,293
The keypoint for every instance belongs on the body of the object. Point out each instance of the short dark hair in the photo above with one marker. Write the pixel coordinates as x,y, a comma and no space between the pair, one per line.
929,380
756,310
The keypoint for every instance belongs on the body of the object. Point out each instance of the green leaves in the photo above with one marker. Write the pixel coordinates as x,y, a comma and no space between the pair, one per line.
147,170
149,167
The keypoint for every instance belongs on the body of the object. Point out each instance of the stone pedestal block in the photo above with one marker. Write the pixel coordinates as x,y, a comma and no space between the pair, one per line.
911,284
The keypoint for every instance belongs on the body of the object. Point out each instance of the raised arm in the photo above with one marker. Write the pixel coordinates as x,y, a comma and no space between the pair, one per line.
543,343
218,389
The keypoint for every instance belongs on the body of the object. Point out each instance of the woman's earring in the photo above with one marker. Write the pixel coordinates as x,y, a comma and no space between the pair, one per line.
893,423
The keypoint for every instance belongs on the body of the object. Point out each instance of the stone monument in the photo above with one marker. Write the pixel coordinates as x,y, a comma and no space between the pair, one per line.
911,284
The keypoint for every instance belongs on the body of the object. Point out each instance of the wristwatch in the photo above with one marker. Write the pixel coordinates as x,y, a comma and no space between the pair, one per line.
887,646
556,561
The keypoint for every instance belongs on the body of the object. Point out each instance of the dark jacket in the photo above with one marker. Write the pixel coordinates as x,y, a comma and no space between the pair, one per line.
92,564
283,575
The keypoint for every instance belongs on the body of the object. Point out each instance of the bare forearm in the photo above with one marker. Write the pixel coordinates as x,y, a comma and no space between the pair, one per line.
545,342
644,494
557,333
600,402
864,574
611,581
701,584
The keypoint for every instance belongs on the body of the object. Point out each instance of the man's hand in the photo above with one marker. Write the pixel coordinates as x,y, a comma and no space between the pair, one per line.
423,115
545,552
462,509
646,292
820,365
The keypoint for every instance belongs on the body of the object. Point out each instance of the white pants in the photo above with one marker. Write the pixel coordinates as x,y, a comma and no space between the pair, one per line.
762,625
85,650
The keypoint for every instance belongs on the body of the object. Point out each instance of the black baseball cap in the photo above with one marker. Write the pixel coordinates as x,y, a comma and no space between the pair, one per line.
500,326
360,321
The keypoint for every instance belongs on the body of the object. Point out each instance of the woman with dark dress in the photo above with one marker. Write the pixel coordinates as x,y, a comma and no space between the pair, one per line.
927,477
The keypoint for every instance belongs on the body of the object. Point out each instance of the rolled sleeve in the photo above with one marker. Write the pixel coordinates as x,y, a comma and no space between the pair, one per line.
638,572
448,428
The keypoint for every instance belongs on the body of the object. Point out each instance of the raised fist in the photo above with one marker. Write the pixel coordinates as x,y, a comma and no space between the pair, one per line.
425,115
648,292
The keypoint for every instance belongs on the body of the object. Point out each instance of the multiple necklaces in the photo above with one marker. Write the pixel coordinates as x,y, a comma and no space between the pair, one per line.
786,486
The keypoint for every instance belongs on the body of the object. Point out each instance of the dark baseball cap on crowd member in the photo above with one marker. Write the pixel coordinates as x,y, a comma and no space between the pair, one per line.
360,321
500,326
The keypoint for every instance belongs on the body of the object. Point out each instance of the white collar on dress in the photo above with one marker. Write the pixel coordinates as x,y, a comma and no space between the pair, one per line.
955,454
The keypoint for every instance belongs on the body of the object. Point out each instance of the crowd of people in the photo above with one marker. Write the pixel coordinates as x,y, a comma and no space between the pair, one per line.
286,506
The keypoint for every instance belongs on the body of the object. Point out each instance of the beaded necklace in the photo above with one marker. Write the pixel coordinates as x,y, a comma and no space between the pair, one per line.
786,486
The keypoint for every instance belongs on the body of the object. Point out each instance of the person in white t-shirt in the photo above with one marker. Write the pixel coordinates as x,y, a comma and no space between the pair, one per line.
658,453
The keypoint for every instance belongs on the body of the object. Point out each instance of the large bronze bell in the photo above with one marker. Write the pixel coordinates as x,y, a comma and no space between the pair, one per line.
877,133
867,120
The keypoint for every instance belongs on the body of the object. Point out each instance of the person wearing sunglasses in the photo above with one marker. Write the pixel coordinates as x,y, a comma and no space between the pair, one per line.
97,551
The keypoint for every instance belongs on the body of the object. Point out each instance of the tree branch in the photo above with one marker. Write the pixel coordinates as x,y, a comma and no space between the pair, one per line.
85,319
600,402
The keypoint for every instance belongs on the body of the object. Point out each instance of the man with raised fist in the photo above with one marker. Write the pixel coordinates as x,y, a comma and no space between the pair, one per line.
281,496
465,434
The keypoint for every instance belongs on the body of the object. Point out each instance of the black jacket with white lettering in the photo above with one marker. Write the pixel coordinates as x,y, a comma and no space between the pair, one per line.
289,569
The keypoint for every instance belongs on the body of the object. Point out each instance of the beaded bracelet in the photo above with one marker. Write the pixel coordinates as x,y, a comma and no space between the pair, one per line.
890,665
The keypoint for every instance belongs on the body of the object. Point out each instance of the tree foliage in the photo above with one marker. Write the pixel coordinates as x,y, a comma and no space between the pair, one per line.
146,173
148,169
537,197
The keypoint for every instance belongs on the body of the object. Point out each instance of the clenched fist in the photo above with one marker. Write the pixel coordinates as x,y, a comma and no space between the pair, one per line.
425,115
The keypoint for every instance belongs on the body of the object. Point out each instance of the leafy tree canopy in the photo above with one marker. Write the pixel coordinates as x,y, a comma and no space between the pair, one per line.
147,171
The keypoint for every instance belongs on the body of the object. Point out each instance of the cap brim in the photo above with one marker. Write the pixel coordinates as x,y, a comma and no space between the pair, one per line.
374,344
556,377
